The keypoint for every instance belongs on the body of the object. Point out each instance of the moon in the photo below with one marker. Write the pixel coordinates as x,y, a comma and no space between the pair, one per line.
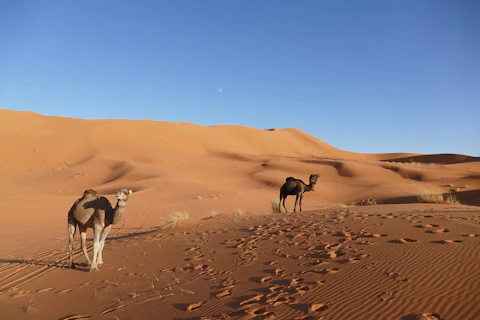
220,90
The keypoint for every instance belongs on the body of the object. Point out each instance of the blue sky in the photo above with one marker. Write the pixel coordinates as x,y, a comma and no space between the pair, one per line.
366,76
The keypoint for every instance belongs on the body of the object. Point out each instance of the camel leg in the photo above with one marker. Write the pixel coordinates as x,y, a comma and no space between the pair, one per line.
83,239
72,227
97,231
301,198
102,244
283,203
296,201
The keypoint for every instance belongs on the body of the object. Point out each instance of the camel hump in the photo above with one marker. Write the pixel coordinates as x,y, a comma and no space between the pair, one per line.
290,179
90,193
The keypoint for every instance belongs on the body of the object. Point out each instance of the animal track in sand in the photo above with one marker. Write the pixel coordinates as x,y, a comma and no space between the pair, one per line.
87,283
317,307
403,240
427,226
113,309
329,270
471,235
446,241
223,293
45,290
251,300
64,291
397,276
438,231
334,254
364,242
77,317
194,306
387,295
20,294
422,316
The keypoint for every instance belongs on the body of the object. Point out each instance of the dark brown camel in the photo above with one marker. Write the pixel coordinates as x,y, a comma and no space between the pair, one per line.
296,187
94,211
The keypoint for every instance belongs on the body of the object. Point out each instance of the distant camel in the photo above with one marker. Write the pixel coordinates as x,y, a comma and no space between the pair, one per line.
296,187
94,211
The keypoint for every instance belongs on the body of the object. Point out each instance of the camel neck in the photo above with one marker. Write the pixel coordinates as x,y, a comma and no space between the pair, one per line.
121,203
118,211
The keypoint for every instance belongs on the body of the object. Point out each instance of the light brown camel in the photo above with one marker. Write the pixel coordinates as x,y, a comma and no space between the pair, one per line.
96,212
296,187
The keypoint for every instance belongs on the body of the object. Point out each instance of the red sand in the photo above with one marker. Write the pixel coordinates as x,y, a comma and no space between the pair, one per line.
335,260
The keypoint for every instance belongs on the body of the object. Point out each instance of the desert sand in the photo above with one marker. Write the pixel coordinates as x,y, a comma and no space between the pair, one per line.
364,246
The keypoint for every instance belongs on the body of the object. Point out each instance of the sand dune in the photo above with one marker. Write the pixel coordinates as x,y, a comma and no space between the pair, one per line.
233,258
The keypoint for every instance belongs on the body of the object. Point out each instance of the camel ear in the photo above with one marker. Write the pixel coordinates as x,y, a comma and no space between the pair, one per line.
130,191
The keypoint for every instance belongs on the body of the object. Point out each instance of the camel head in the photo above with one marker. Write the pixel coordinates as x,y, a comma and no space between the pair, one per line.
123,194
313,180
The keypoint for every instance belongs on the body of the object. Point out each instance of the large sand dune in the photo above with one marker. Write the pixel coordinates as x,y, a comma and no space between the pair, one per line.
334,260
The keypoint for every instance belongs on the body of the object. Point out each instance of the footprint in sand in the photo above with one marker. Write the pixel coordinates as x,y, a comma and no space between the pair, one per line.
471,235
87,283
422,316
259,313
224,294
77,317
335,253
387,296
251,300
194,306
45,290
397,276
317,307
438,231
20,294
64,291
427,226
329,270
365,242
403,240
447,241
113,309
378,235
296,281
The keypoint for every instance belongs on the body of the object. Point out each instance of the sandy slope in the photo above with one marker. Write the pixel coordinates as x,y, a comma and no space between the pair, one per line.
47,162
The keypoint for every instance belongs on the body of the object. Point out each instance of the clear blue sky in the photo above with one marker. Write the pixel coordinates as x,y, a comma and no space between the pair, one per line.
365,76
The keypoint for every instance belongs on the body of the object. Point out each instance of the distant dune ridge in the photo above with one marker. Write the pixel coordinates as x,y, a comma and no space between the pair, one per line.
72,155
363,247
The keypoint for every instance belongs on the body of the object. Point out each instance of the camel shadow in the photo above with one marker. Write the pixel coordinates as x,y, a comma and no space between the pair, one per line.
58,264
48,263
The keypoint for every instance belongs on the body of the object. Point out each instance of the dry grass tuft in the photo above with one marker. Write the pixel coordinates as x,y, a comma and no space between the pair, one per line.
450,198
342,205
275,205
175,218
212,214
437,198
368,202
30,306
238,212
